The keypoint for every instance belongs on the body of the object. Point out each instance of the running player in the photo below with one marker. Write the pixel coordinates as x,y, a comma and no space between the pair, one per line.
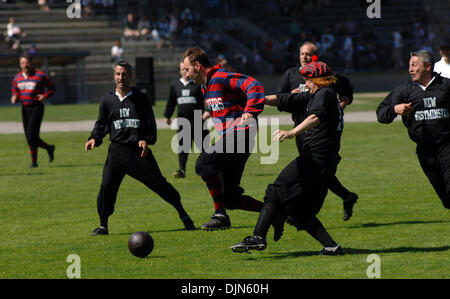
300,189
424,105
293,82
32,87
235,100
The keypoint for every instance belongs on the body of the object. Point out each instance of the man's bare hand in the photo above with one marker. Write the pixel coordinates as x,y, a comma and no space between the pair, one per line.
245,117
143,145
89,145
403,109
281,135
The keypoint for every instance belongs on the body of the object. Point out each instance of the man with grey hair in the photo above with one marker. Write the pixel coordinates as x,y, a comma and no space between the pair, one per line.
424,103
127,116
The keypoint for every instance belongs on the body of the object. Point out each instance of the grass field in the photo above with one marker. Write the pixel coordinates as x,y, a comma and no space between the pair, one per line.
48,214
362,102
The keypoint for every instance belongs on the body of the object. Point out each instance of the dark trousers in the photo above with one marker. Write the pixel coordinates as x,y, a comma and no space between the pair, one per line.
125,159
335,185
229,164
435,163
299,191
32,118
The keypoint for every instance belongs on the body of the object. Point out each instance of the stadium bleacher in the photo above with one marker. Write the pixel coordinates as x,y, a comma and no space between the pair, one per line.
239,24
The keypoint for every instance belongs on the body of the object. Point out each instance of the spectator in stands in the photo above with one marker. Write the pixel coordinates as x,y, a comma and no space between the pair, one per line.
43,5
347,53
116,52
88,7
326,43
397,50
350,25
157,38
163,26
443,66
240,60
32,49
173,26
144,26
187,20
108,4
14,33
131,26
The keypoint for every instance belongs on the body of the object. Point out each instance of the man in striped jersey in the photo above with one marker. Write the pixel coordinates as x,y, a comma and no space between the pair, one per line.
235,100
32,87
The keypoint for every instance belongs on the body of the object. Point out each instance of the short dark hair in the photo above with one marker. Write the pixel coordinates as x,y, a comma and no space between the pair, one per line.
444,43
197,54
425,55
26,56
124,64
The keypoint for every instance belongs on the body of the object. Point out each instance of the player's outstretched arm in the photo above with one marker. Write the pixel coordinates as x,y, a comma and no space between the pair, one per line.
310,122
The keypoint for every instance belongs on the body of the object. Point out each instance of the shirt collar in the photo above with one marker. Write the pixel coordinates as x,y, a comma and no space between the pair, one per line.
123,98
425,87
185,82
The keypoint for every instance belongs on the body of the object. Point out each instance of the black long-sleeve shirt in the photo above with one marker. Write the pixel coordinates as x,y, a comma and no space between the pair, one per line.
323,141
292,79
429,123
131,120
188,97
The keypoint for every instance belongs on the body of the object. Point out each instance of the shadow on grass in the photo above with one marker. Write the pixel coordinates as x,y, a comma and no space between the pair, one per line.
355,251
21,173
184,230
372,224
77,165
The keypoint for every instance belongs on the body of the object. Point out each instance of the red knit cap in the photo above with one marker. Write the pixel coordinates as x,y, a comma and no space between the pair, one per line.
316,69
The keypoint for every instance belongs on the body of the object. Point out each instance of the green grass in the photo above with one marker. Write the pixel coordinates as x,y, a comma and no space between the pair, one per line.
48,213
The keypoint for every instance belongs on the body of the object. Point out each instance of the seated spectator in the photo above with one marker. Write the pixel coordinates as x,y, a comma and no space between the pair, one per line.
14,33
43,5
88,7
157,38
116,52
144,26
131,26
32,50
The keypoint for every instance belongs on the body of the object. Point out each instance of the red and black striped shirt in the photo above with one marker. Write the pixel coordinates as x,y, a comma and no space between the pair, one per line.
27,88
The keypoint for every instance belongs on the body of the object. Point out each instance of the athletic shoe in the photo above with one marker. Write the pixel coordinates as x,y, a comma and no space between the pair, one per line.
100,231
349,202
332,251
51,152
250,243
33,165
278,225
217,221
179,174
188,223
